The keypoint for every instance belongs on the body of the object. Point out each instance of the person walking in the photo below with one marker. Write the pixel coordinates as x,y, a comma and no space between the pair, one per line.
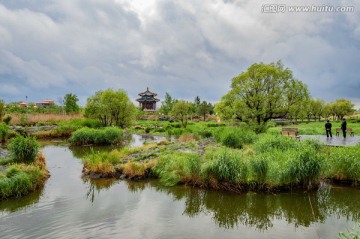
343,127
328,126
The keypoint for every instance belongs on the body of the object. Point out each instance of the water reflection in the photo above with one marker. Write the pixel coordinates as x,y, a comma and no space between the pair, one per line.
15,204
97,185
260,210
131,140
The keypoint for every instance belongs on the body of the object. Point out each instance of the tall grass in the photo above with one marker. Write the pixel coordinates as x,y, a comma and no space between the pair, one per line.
225,165
20,179
104,136
33,119
23,149
101,162
270,142
178,168
344,164
234,137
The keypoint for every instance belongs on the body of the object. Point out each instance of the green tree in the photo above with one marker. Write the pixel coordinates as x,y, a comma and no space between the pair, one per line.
167,104
111,108
70,101
181,111
204,109
2,110
263,92
317,108
342,107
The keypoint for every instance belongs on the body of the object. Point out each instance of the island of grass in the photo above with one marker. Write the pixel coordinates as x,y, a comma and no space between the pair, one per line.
235,160
24,170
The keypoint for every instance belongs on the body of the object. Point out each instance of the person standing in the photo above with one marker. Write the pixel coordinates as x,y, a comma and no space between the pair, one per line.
328,126
343,127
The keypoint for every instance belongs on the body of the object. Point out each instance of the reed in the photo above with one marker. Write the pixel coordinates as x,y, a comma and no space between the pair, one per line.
344,164
104,136
225,165
178,168
23,149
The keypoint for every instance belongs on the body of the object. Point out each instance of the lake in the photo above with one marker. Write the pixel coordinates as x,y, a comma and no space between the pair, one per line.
70,206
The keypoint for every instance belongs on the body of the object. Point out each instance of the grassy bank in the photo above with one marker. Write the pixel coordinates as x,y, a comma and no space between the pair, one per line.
20,179
23,172
259,162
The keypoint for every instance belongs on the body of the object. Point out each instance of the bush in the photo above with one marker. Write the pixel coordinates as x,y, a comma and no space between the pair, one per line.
7,119
23,149
4,130
104,136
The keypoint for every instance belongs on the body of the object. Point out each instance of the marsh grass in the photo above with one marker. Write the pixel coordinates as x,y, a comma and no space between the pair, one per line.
225,165
234,137
23,149
103,136
344,164
20,179
33,119
178,168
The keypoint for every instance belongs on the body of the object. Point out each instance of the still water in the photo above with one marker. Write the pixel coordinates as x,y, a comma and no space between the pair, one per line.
72,207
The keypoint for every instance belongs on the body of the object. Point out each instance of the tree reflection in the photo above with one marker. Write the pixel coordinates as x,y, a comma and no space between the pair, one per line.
260,210
97,185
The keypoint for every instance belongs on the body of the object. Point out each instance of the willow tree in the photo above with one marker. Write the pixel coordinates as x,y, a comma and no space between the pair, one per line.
111,107
263,92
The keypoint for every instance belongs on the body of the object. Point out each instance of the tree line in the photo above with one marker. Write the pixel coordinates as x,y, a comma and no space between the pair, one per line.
257,95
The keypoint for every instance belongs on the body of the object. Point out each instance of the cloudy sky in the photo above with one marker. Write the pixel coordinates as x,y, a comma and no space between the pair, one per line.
187,48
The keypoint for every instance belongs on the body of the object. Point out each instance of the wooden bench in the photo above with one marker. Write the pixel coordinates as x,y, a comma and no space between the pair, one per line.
292,132
348,130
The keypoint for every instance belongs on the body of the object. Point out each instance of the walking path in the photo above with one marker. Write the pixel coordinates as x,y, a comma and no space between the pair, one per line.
335,140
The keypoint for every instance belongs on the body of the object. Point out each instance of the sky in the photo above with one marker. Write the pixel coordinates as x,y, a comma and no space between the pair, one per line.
187,48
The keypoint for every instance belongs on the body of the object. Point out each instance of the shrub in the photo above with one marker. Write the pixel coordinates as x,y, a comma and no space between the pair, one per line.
23,149
4,130
104,136
7,119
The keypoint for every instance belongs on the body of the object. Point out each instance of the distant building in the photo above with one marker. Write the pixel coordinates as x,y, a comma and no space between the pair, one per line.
23,104
147,100
44,103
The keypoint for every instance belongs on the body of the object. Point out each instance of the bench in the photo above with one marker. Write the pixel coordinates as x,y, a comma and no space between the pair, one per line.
292,132
348,130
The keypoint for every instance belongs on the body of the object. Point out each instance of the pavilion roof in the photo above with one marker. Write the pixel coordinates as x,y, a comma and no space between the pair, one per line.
147,93
147,99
